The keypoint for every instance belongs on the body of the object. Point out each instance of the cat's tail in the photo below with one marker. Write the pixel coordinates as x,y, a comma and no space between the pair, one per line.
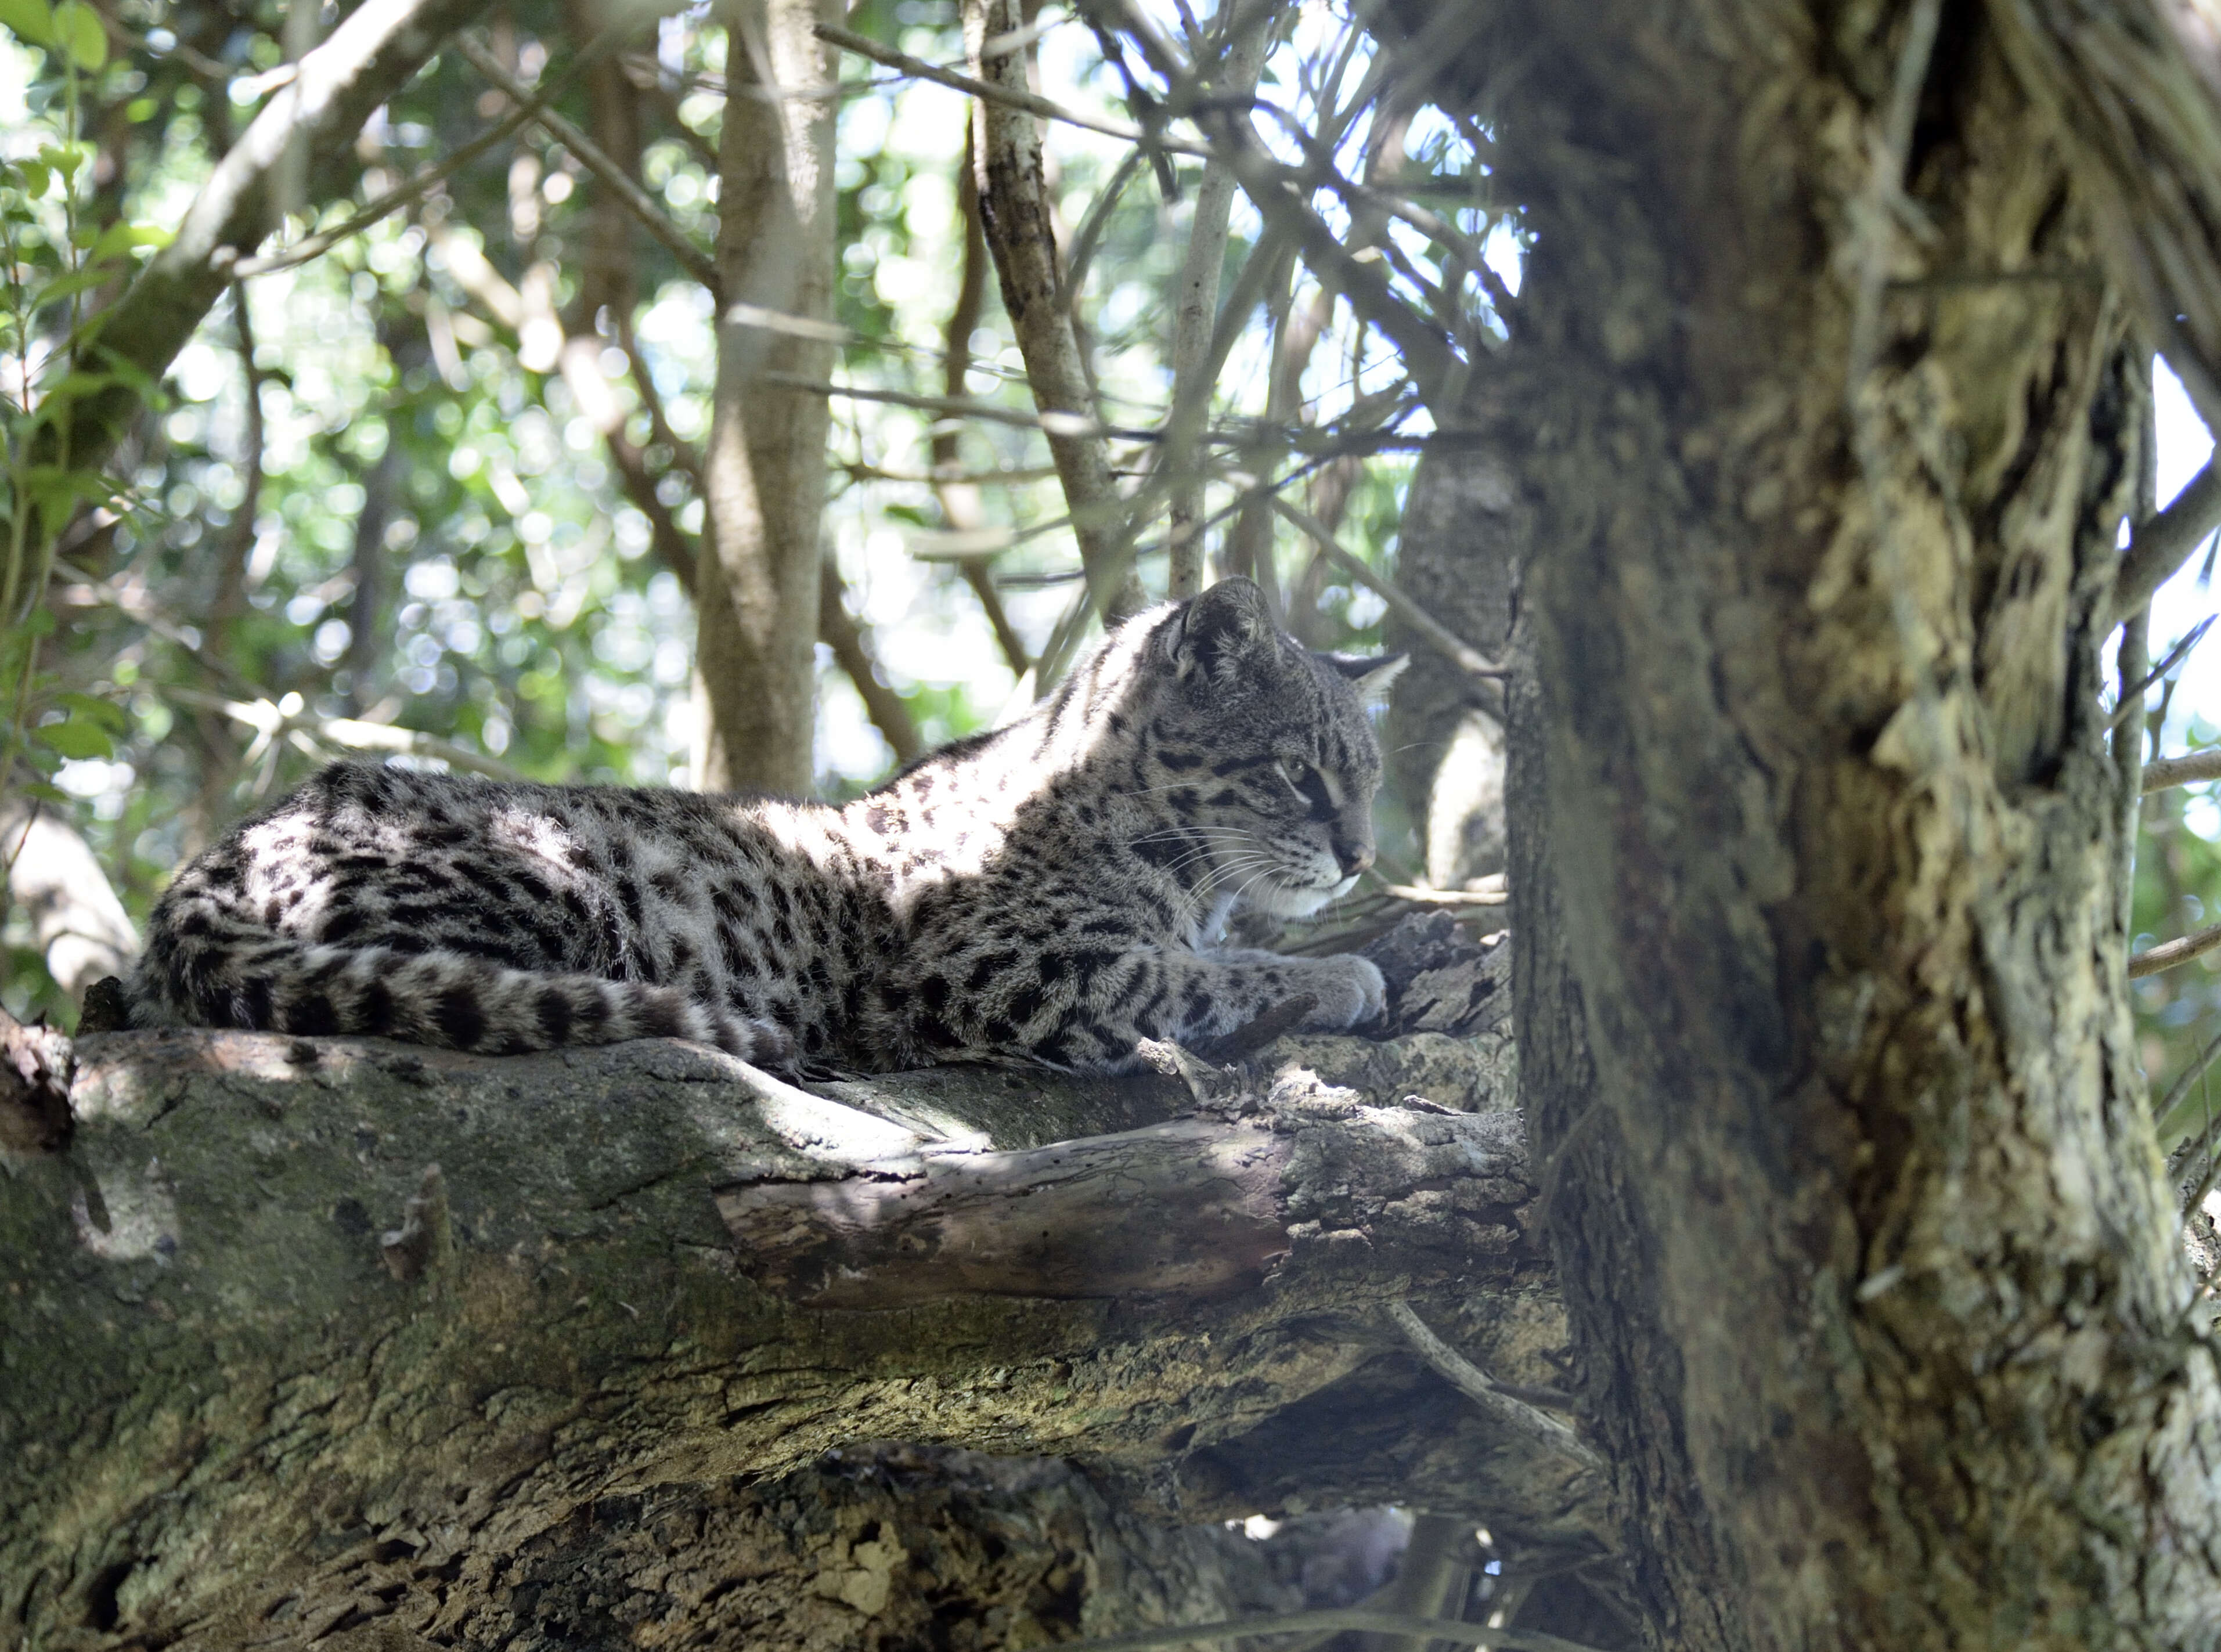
216,970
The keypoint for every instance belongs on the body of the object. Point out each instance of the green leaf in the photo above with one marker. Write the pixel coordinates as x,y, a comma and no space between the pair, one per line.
28,21
122,237
78,30
62,285
36,175
76,739
104,712
45,793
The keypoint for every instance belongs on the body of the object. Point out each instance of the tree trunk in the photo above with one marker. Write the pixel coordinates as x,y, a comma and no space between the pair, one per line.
1844,1151
764,472
528,1306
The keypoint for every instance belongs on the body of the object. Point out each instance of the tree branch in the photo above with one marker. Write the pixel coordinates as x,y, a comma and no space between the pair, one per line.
369,57
2165,543
1438,635
634,199
1014,209
2170,955
1196,319
2190,769
649,1279
839,630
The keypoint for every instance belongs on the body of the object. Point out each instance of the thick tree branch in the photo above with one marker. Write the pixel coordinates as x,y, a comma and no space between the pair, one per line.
648,1277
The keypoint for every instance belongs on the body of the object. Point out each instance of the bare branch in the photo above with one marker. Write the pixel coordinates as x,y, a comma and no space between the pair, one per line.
2165,543
1197,318
2132,694
994,90
2190,769
272,725
1015,213
959,498
310,248
839,630
2170,955
1475,1384
634,199
1436,633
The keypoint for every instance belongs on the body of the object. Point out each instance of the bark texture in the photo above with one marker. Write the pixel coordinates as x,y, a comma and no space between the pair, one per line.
527,1307
1015,213
763,475
1843,1147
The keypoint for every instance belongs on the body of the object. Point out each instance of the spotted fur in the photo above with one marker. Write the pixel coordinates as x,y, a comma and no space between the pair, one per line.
1054,889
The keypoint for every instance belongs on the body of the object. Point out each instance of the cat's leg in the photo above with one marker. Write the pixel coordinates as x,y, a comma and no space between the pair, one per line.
1077,1006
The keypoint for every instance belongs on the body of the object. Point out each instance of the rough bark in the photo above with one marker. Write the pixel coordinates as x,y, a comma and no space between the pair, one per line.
1015,213
522,1301
763,472
1845,1155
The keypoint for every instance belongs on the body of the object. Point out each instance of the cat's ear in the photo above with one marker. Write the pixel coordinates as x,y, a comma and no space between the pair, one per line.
1222,634
1371,675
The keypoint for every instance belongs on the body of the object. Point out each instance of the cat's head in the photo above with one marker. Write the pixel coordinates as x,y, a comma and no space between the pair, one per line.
1264,748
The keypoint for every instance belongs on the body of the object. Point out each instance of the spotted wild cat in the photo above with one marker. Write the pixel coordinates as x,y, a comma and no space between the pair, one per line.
1054,890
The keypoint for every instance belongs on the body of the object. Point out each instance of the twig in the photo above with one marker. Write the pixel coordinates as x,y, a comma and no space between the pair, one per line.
2170,955
272,725
1420,1629
1461,653
316,246
2188,770
1052,422
634,199
2132,698
1449,896
998,93
1536,1427
2178,1092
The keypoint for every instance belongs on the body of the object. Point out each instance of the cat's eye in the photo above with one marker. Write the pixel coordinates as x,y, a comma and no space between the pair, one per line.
1301,775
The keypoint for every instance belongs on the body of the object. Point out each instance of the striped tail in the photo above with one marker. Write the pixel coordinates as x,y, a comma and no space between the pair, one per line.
226,972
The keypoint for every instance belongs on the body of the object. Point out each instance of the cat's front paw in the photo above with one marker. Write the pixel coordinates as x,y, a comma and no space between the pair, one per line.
1349,990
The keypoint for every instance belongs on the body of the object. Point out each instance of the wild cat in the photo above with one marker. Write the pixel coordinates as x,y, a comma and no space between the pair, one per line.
1055,890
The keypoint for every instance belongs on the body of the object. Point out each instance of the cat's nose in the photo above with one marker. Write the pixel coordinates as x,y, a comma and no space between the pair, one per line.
1353,858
